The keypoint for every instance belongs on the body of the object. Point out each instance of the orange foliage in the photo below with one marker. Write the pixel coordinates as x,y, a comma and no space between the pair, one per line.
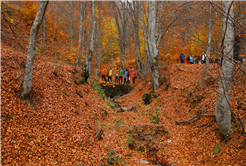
60,127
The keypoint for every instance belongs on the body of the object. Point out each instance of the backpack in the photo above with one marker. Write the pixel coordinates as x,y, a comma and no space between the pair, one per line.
135,76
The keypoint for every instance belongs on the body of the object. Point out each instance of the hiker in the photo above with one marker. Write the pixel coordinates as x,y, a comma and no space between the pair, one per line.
134,76
198,59
188,60
121,75
104,72
128,77
195,61
203,57
182,57
125,77
110,73
117,72
191,60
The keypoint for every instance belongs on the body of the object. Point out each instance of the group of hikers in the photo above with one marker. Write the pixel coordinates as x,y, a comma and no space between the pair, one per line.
119,75
202,59
190,60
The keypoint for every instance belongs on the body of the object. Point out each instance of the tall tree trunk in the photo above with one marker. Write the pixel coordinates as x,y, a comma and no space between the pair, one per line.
84,38
98,41
209,39
158,31
121,26
27,85
72,27
223,112
134,8
92,36
80,32
44,33
146,43
153,52
144,31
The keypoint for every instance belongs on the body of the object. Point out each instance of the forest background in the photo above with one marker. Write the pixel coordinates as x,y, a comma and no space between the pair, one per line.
182,27
113,34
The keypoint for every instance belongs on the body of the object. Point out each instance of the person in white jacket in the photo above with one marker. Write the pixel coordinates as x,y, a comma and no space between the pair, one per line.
203,57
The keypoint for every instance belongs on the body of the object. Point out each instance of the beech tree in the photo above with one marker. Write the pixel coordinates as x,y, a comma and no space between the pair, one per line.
92,36
81,26
72,26
209,38
134,9
223,112
121,26
44,33
150,41
27,85
98,54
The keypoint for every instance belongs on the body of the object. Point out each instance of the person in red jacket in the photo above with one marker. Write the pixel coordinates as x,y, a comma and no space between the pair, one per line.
134,76
188,59
104,72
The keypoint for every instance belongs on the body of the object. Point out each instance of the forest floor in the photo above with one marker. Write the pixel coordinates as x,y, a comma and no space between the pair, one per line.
57,125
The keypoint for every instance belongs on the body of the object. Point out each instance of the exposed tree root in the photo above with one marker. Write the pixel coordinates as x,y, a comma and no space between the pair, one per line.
187,121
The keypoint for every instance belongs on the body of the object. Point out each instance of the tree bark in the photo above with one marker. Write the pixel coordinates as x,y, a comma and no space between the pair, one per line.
223,111
135,20
121,26
209,39
44,33
98,41
92,36
81,20
31,49
72,27
153,52
144,32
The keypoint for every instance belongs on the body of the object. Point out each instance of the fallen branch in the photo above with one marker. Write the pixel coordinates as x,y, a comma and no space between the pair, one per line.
242,124
141,137
9,66
186,121
205,124
12,30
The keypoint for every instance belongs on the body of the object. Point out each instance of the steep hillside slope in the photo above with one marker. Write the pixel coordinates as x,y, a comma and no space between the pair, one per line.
62,121
190,95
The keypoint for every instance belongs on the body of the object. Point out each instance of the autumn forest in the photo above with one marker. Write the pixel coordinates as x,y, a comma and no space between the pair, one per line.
183,101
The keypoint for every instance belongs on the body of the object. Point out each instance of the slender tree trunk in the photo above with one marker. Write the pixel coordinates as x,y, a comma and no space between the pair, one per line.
92,36
159,29
72,27
80,32
137,42
98,41
31,49
153,52
209,39
223,112
121,26
44,33
124,34
84,38
146,43
144,30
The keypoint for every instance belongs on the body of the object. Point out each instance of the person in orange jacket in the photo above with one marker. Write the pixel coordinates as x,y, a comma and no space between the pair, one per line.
104,72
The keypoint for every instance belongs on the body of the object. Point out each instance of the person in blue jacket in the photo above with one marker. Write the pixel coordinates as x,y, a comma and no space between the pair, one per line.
182,57
125,77
191,60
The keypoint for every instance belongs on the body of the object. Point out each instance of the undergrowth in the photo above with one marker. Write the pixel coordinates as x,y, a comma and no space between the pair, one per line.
100,92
